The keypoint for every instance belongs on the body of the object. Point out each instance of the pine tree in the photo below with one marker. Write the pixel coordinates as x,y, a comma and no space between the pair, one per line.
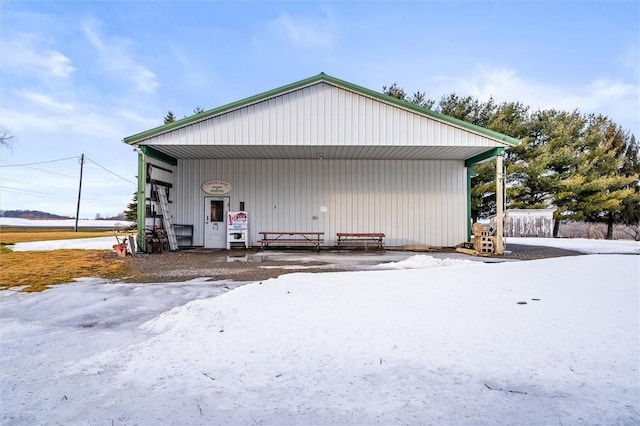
169,118
542,160
418,98
596,189
395,92
483,190
629,215
131,214
468,109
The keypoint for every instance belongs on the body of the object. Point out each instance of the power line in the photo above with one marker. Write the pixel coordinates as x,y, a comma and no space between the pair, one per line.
113,173
46,194
49,171
34,164
104,201
27,165
29,183
26,191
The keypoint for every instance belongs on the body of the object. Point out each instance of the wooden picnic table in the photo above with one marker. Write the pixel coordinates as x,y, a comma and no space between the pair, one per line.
361,239
287,238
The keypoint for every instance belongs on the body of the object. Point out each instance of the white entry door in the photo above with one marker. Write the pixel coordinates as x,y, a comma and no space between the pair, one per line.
215,222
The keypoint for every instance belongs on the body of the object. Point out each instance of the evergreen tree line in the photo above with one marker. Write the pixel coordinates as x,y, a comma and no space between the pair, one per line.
584,165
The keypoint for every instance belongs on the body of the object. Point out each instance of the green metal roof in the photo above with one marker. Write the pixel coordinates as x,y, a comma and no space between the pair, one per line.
322,77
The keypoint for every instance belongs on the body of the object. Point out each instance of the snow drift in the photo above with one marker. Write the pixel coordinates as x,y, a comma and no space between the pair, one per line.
455,345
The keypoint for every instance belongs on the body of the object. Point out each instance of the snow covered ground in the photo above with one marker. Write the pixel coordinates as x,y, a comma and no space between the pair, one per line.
96,243
61,223
450,344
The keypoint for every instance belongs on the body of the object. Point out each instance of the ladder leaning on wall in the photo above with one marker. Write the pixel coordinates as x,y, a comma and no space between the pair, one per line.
166,218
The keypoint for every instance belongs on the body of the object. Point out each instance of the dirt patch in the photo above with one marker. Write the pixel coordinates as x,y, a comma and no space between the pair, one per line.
241,265
216,265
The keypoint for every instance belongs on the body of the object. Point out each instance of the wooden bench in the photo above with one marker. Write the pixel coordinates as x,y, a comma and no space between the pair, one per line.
365,239
286,238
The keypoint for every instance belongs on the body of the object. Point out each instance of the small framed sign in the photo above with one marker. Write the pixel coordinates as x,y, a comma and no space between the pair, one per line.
216,187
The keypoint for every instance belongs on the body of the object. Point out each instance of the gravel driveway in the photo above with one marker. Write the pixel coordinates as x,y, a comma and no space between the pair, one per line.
253,265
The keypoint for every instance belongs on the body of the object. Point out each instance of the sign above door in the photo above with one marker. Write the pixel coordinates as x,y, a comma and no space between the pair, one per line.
216,187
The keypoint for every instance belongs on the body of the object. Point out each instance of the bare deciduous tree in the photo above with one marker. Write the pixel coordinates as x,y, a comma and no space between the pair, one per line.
7,138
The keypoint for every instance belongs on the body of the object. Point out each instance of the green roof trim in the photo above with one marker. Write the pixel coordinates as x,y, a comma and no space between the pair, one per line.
492,153
322,77
154,153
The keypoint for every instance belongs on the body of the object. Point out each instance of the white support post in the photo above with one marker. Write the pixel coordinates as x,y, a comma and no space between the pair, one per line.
498,247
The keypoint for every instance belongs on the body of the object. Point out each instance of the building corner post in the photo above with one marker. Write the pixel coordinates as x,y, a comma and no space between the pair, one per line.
499,248
469,176
141,207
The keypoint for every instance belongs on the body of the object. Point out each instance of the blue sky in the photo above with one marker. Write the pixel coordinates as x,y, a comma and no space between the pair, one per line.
77,77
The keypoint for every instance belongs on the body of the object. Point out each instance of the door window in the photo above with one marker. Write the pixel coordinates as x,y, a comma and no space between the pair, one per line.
217,211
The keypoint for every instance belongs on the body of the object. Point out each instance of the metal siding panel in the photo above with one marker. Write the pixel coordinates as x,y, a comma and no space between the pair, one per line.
451,207
344,115
409,125
432,205
356,116
250,128
294,196
278,119
316,120
407,201
308,118
321,114
442,203
286,122
413,223
323,122
411,201
375,134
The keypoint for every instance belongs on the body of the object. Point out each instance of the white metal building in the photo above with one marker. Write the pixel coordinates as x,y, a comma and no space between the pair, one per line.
320,154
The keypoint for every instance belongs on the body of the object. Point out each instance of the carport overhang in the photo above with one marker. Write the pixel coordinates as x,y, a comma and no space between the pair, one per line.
471,156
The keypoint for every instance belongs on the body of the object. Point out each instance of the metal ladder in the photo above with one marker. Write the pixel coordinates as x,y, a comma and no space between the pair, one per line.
166,218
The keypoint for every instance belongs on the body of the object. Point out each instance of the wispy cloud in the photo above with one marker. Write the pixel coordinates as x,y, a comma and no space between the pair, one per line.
307,32
64,124
631,58
192,74
48,102
116,57
26,52
58,115
613,97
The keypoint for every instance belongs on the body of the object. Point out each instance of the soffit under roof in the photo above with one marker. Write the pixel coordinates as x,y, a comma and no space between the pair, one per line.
320,152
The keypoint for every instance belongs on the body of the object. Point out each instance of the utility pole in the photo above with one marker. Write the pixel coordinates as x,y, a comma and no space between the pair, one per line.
75,229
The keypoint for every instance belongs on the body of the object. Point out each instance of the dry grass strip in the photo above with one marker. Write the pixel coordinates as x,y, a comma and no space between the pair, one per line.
37,270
